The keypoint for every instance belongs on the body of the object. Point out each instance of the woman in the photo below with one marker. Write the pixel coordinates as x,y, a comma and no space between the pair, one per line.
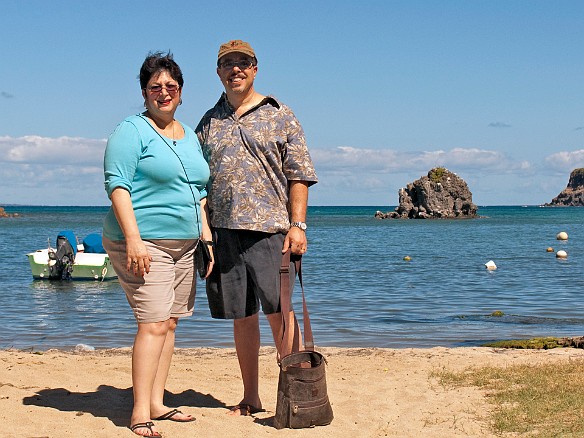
155,176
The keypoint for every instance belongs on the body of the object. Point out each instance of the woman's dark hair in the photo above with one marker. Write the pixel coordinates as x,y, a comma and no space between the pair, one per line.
158,62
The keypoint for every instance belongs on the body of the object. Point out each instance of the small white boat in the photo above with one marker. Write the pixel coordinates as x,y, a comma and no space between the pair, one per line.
72,261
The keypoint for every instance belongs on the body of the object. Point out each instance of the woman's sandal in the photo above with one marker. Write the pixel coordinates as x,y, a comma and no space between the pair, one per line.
147,425
171,414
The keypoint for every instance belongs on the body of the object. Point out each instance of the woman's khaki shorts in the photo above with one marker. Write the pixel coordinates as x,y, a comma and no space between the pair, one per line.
168,290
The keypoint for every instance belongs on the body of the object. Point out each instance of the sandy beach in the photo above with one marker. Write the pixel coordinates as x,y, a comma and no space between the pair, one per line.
374,392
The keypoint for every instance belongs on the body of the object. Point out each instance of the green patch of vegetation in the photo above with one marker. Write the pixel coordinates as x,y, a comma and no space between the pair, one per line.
527,344
437,173
531,400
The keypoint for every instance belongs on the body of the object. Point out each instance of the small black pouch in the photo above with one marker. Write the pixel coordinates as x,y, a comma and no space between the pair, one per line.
202,257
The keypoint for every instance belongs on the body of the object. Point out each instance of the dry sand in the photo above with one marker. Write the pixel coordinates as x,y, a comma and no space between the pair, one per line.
374,392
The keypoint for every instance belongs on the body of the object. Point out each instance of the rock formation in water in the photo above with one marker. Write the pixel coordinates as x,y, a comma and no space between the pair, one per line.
4,214
573,194
439,195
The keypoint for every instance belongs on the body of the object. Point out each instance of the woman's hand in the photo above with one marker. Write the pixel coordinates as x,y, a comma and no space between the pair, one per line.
138,258
206,233
211,263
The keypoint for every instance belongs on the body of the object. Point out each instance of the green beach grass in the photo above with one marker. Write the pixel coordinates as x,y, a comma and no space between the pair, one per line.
543,400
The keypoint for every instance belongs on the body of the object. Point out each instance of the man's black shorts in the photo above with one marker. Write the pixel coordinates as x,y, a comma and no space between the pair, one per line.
246,273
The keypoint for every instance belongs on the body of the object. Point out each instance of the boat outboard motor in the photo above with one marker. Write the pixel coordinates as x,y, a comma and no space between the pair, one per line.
64,256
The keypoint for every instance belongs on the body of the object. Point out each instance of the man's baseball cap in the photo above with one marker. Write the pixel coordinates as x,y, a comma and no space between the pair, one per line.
235,46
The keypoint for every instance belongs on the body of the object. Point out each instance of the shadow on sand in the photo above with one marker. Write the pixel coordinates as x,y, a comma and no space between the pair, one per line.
112,403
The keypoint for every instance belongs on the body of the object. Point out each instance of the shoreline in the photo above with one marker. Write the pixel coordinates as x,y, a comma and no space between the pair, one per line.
373,391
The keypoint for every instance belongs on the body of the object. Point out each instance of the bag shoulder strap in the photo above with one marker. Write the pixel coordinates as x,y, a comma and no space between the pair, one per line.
289,323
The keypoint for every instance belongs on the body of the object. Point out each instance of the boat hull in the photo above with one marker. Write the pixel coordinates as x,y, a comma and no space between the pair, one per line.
87,266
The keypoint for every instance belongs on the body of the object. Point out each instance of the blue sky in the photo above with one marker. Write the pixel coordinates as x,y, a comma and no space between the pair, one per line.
385,90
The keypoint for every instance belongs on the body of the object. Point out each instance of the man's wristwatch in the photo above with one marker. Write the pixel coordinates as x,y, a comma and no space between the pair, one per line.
301,225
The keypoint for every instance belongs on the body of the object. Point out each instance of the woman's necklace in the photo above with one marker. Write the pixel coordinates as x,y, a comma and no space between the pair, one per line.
173,138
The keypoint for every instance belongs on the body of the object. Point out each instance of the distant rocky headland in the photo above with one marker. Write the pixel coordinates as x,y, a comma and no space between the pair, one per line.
573,194
4,214
439,195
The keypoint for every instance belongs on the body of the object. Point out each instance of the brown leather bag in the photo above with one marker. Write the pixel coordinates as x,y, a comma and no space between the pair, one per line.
302,392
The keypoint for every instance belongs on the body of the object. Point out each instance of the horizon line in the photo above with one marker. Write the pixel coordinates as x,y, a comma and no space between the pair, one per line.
309,206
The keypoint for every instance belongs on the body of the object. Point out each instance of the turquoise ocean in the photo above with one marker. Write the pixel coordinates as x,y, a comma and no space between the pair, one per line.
360,290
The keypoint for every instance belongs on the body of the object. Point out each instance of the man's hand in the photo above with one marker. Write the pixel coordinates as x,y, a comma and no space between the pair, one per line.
295,241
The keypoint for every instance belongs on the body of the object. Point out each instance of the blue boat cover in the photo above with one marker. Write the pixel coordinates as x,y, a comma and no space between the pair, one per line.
70,236
92,243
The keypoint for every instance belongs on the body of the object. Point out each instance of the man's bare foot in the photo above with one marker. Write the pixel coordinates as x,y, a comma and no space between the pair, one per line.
244,410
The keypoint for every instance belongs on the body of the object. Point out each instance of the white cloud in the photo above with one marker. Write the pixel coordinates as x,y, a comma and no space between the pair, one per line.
565,161
499,125
357,160
362,176
68,171
51,171
44,150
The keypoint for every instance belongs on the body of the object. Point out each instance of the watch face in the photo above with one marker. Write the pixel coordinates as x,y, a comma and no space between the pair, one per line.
300,225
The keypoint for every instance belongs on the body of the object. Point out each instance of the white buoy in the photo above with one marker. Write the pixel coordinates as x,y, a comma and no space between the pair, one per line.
490,265
561,254
562,236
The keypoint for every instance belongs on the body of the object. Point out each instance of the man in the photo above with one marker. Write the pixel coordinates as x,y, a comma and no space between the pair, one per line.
257,198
